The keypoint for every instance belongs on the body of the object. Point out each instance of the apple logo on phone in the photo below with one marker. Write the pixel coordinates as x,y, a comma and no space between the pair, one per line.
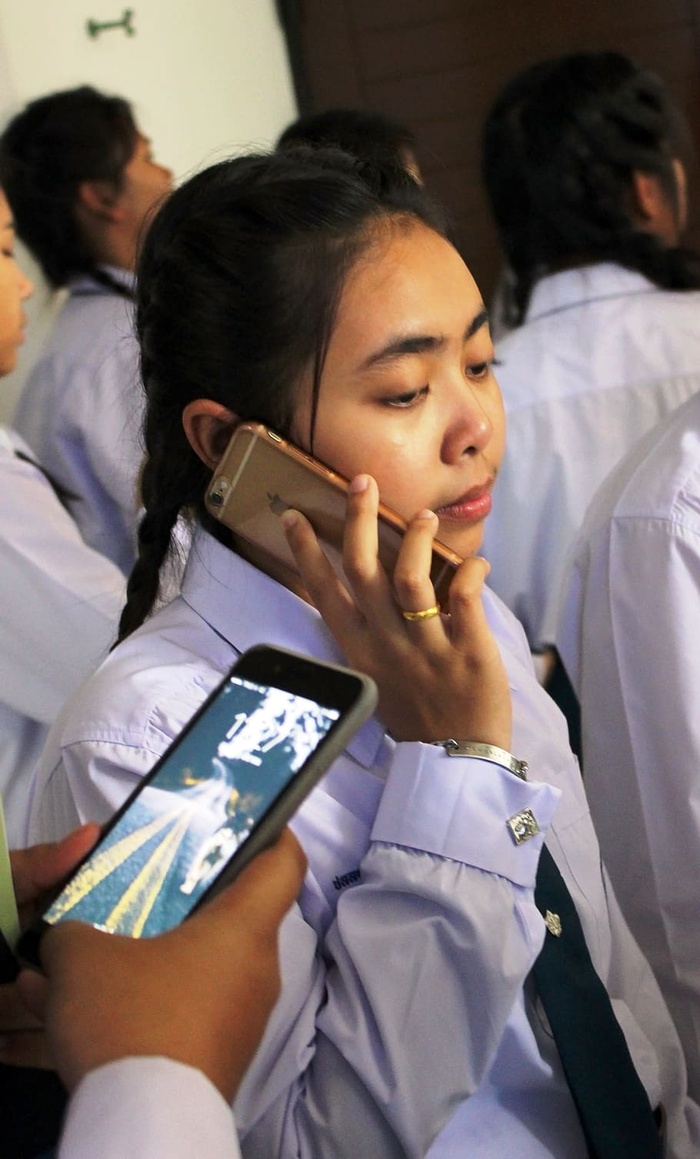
277,503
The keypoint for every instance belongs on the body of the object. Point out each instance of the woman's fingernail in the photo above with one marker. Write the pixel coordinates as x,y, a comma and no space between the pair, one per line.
426,513
359,484
289,519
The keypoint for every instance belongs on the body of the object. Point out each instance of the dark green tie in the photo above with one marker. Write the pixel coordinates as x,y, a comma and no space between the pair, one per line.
612,1104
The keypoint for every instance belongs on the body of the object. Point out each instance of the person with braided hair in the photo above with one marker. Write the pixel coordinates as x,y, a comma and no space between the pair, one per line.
81,181
581,166
289,289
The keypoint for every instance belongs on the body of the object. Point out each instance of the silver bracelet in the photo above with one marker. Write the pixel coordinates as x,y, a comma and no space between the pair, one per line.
483,752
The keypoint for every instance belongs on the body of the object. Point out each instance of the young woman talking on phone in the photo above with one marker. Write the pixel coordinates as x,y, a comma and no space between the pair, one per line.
285,289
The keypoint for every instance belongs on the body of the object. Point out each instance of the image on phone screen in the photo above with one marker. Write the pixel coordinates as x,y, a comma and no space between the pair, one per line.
165,851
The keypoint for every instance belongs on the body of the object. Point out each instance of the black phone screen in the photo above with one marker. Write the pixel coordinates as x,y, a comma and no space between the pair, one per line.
170,844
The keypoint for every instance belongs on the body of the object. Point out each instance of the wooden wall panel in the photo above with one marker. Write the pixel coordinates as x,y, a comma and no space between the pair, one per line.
437,65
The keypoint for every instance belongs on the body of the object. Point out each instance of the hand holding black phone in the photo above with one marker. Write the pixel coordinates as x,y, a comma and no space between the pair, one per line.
222,791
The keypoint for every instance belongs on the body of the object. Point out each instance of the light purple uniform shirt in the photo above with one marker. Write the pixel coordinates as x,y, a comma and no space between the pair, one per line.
602,356
59,607
407,1022
81,412
630,639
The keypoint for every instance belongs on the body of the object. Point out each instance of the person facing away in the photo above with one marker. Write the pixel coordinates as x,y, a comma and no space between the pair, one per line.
81,179
59,599
288,290
581,166
372,137
628,633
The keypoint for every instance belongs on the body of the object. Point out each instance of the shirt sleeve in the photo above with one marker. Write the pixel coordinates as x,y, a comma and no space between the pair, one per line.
91,441
440,931
148,1108
59,599
105,404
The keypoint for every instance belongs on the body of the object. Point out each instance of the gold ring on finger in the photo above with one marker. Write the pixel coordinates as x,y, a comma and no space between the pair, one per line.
426,614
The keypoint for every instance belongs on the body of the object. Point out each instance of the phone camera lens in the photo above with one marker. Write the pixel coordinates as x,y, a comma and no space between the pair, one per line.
218,493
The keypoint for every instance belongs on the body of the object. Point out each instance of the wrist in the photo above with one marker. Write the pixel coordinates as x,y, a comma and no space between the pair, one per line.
480,751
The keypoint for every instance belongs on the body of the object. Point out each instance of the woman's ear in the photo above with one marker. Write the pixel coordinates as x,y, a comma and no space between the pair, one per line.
208,426
681,179
654,209
98,199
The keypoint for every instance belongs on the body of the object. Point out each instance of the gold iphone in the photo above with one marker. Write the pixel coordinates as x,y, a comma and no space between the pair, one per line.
261,475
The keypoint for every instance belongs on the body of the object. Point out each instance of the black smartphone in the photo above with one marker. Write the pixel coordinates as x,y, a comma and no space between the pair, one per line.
261,475
222,791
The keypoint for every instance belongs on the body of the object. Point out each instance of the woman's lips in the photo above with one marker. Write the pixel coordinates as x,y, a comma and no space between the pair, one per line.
471,508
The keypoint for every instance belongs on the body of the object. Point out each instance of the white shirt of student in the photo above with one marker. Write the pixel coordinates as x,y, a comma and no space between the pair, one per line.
630,639
407,1021
59,606
148,1108
81,412
602,356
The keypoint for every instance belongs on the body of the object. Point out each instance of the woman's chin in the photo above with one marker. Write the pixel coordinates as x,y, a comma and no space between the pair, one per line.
464,541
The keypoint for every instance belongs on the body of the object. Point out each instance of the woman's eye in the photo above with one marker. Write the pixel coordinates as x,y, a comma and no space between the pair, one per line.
410,398
479,370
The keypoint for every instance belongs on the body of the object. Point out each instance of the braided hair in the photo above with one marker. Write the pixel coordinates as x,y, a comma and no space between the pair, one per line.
560,147
57,142
238,284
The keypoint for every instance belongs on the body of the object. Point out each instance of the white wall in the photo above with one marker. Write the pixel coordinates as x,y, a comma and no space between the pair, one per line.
206,78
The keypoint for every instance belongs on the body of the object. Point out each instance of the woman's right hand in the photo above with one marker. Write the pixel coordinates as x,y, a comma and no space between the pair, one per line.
437,678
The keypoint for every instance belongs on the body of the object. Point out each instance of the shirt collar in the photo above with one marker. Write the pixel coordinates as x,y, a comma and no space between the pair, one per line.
84,284
246,607
569,288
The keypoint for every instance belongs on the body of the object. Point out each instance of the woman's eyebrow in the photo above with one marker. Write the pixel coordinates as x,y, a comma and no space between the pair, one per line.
476,323
421,343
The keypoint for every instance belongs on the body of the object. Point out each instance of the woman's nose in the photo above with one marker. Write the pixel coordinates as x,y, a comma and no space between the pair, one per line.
26,286
470,429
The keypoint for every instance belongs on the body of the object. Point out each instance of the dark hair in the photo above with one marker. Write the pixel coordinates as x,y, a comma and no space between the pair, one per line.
560,147
46,151
371,137
238,285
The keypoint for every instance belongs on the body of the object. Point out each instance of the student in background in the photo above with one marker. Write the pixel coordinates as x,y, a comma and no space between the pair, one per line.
372,137
153,1037
81,180
59,599
581,164
629,641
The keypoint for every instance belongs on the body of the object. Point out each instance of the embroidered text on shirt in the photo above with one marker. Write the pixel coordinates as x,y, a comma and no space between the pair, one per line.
344,879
